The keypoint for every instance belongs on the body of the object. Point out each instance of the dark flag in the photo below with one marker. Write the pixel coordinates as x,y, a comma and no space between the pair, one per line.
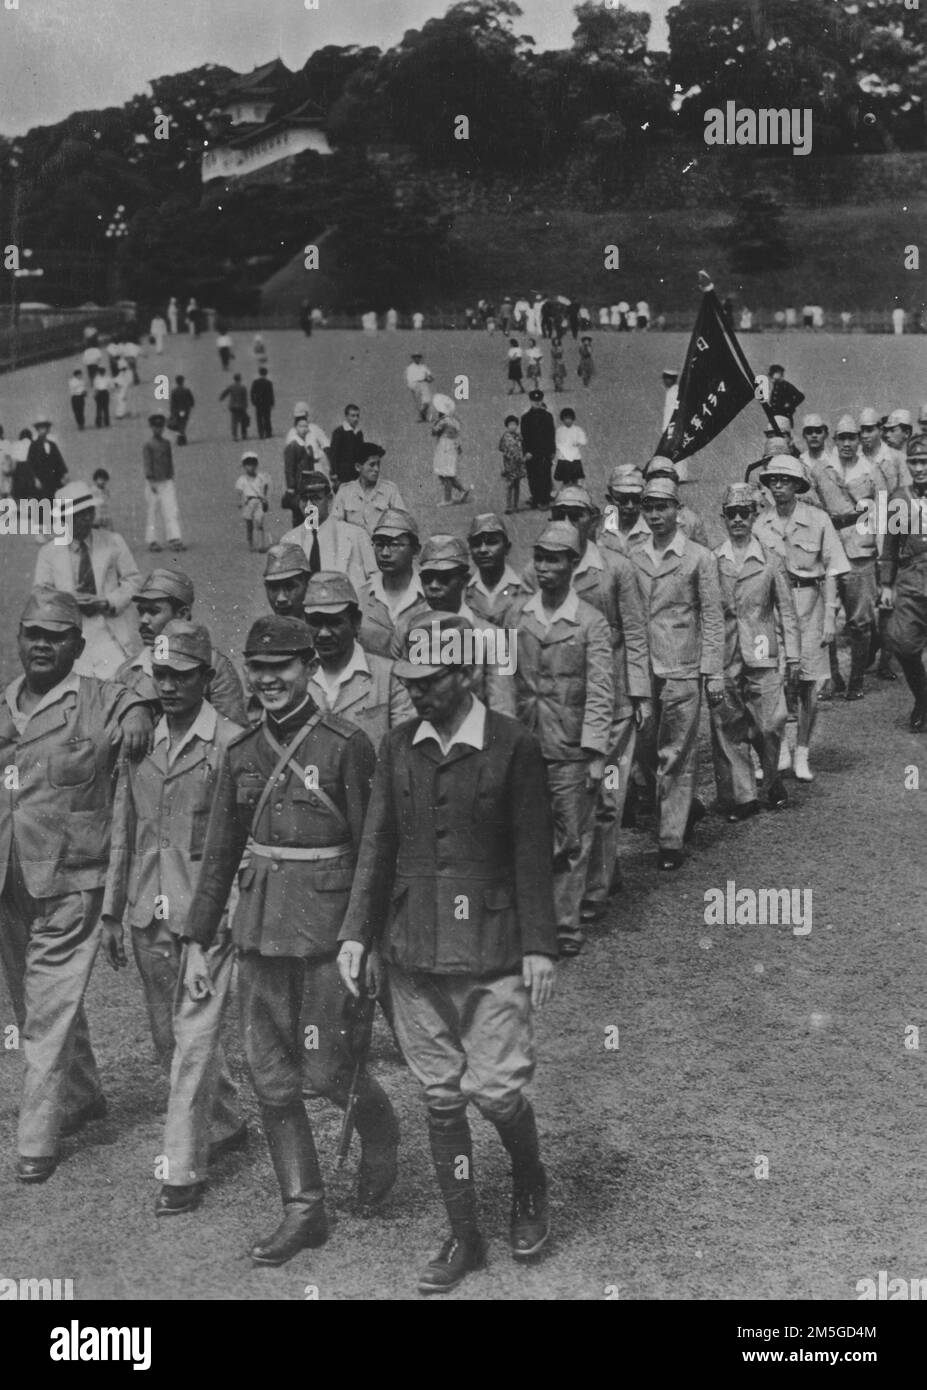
715,386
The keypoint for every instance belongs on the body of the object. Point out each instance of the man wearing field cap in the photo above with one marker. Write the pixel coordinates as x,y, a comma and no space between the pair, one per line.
453,888
159,825
817,449
166,595
607,580
496,583
621,519
679,583
564,688
367,496
286,577
349,681
848,486
60,738
896,431
757,600
98,568
539,444
329,544
395,591
687,521
291,798
810,547
160,493
904,580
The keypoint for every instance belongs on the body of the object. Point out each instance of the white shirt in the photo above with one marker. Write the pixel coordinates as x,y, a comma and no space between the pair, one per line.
471,732
203,726
51,697
248,488
330,685
567,609
571,440
316,438
416,372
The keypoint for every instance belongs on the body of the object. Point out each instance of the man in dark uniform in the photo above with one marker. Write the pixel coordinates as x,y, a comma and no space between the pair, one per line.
539,442
263,400
784,398
903,575
454,882
45,462
292,792
181,404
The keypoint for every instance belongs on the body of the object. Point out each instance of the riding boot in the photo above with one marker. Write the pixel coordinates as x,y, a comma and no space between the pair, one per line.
296,1164
452,1153
379,1135
530,1213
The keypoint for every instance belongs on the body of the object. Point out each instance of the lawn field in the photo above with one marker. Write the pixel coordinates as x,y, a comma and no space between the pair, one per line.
735,1043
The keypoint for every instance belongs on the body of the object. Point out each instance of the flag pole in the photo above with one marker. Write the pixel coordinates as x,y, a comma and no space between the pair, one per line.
706,285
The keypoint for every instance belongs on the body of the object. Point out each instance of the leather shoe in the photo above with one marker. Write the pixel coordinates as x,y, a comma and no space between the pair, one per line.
174,1201
35,1169
568,946
377,1174
592,912
671,858
96,1110
458,1256
777,796
839,685
885,673
743,812
230,1145
530,1220
919,717
299,1230
854,692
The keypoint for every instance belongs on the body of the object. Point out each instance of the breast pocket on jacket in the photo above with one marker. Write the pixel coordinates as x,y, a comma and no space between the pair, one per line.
73,764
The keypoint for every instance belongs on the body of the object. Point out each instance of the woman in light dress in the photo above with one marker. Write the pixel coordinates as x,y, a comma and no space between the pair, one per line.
446,430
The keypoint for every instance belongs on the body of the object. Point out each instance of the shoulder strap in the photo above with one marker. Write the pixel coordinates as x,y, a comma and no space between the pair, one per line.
283,759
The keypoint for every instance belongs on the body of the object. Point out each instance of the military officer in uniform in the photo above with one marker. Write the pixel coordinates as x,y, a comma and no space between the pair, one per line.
757,601
60,739
679,584
814,557
453,886
904,579
347,680
286,577
291,798
159,823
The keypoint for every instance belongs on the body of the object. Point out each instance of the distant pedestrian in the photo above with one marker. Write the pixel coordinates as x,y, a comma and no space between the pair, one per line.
346,447
305,318
193,318
102,386
515,367
173,316
253,487
93,360
263,400
181,404
226,350
784,398
418,322
259,350
586,369
45,463
446,430
160,496
513,461
122,385
557,365
158,332
236,393
534,357
77,388
571,440
418,380
898,320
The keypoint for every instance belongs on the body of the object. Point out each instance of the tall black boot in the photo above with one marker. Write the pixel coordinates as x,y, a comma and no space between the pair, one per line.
379,1135
916,676
296,1164
530,1213
452,1152
859,657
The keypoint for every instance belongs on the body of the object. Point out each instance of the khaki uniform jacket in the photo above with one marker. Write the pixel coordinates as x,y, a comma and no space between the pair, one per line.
480,603
377,625
159,827
376,702
564,683
682,601
454,874
65,762
285,907
609,583
224,692
837,497
752,600
806,540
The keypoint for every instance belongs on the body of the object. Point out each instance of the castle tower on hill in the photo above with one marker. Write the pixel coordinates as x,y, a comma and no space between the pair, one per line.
247,131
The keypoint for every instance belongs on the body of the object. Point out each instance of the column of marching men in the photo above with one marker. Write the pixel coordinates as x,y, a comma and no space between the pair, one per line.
434,831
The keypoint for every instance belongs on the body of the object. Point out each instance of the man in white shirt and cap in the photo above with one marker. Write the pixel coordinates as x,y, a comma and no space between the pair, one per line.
99,569
395,591
418,380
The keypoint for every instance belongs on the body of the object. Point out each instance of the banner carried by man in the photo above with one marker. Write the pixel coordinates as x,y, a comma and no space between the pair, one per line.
715,385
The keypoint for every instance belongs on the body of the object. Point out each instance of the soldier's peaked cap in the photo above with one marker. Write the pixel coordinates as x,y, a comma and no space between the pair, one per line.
444,553
285,562
662,487
917,447
574,496
624,477
427,632
739,495
560,535
487,524
395,522
188,646
329,592
53,609
163,583
278,639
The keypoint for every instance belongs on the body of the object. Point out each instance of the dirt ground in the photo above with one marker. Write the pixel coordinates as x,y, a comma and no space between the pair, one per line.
735,1044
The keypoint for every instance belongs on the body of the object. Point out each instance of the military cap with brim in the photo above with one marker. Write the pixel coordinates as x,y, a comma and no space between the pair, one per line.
813,422
249,455
661,487
661,464
188,645
917,447
444,553
783,465
739,495
900,417
560,535
301,410
51,609
395,522
487,524
426,634
76,497
285,562
162,583
157,419
42,420
624,477
669,371
846,425
868,416
278,639
574,496
329,591
535,395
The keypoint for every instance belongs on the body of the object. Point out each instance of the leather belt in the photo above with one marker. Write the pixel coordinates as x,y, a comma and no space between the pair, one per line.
804,581
283,853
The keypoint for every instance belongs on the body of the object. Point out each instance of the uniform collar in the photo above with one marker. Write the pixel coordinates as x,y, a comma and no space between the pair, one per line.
71,683
409,596
591,560
677,547
567,610
508,577
330,685
203,727
725,551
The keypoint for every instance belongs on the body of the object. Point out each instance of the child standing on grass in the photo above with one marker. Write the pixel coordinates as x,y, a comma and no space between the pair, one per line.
515,361
557,365
535,356
513,461
446,431
252,488
586,369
